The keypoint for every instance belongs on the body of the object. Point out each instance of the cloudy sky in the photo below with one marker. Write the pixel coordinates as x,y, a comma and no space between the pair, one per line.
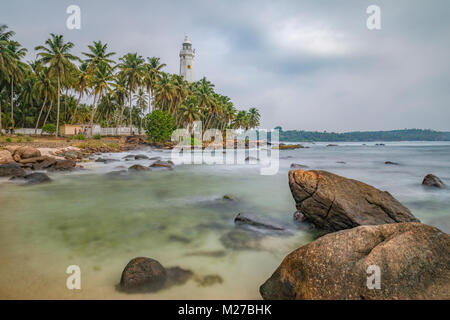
310,65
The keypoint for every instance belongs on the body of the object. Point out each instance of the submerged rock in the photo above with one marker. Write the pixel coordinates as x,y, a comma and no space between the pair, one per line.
391,163
140,157
105,161
162,164
413,260
332,202
33,178
138,168
241,239
209,280
256,221
11,169
432,181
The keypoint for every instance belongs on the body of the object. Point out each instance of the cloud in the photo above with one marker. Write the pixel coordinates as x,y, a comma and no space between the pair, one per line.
309,65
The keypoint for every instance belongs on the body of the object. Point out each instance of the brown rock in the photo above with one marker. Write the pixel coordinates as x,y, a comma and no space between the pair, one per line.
26,152
432,181
5,157
138,168
331,202
162,164
143,274
63,165
413,260
33,160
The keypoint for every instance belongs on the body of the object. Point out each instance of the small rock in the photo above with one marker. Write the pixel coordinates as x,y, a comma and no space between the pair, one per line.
251,159
432,181
162,164
140,157
391,163
106,160
5,157
138,168
332,145
241,239
341,162
209,280
298,166
176,238
63,165
256,221
229,197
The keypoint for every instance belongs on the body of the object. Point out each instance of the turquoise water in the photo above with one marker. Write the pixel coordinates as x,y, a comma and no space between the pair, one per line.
100,222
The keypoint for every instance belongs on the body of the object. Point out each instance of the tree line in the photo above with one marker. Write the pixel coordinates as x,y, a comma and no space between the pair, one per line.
51,89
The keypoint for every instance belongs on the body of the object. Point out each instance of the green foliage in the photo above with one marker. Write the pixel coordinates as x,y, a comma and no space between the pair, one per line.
159,126
19,140
49,128
97,136
8,139
28,139
80,136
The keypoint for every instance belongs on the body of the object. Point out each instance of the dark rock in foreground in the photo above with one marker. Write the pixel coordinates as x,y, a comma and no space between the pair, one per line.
11,169
432,181
148,275
140,157
413,260
162,164
143,274
256,221
241,239
33,178
105,161
333,203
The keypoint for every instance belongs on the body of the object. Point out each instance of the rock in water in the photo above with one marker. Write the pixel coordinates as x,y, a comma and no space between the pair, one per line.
391,163
34,178
143,274
298,166
140,157
333,203
11,169
413,260
432,181
254,220
138,168
162,164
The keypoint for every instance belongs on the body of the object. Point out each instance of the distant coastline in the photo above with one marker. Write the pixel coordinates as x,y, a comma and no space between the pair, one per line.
364,136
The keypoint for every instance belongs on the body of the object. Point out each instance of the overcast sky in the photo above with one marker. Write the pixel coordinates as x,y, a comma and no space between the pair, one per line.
310,65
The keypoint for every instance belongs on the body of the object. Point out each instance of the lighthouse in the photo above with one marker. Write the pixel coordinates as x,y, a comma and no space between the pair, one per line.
187,60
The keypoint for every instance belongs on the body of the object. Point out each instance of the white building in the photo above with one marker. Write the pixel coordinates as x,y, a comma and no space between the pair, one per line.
187,60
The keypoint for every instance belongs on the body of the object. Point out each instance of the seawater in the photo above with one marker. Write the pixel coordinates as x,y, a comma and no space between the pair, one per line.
100,221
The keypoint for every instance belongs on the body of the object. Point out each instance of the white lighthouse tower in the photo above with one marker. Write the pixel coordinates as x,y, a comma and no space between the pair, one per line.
187,60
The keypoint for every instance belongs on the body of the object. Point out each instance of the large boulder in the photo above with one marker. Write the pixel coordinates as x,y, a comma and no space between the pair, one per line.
11,169
332,203
5,157
26,152
413,261
431,180
33,178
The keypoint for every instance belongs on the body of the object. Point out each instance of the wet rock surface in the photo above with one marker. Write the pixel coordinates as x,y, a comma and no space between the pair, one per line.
138,168
11,169
256,221
33,178
431,180
414,262
333,203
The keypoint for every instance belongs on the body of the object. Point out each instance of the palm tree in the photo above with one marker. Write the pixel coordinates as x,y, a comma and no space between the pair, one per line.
152,73
132,68
101,84
120,93
56,55
98,54
189,112
253,117
45,87
81,84
164,92
141,99
16,71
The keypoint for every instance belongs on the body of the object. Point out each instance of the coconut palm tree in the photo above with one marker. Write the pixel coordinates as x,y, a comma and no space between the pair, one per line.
56,55
81,85
16,70
141,99
98,54
152,73
101,84
132,68
253,117
45,87
189,112
164,92
120,94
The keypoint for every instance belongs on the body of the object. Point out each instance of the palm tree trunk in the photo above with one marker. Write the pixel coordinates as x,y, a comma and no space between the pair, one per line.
39,117
131,121
12,103
76,108
0,116
94,108
119,124
58,106
149,100
48,113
